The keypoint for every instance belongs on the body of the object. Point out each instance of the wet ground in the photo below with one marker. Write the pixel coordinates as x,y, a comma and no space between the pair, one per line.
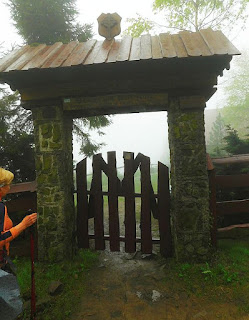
128,287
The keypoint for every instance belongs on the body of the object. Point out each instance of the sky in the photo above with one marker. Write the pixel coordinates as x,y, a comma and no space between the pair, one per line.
148,132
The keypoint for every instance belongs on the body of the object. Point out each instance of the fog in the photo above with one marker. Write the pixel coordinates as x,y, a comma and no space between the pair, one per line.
145,132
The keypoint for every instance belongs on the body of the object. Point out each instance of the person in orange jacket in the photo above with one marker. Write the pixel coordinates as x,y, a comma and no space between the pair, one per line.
7,231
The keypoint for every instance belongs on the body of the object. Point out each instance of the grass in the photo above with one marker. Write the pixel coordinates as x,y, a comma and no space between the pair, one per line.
72,274
225,278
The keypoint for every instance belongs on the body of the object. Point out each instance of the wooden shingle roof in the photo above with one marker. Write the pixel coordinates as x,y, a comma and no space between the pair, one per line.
165,46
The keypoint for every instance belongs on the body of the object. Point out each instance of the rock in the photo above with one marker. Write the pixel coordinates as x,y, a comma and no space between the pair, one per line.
201,315
101,266
149,256
156,295
56,287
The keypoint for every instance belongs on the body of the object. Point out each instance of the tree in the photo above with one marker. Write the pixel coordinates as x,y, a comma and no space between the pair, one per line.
234,144
236,91
16,136
48,21
216,144
193,15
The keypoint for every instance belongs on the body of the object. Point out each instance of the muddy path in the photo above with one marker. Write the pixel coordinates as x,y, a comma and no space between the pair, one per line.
126,287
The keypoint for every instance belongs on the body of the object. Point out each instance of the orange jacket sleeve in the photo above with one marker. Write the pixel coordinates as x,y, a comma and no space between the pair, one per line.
5,235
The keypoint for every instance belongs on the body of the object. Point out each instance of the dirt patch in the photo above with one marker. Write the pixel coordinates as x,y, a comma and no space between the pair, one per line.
132,287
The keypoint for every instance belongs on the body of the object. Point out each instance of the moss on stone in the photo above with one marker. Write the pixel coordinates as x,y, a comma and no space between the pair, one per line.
46,130
56,133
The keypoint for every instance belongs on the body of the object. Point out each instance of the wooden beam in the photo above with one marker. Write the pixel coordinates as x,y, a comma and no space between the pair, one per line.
242,158
118,103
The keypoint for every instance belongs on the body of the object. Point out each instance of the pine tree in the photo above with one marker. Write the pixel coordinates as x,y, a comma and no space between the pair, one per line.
216,144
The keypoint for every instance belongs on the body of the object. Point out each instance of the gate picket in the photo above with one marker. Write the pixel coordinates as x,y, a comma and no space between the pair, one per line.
129,193
146,236
82,205
164,210
113,202
98,203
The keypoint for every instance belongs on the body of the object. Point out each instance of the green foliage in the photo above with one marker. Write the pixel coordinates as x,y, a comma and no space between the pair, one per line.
138,26
17,142
48,21
235,145
236,110
216,143
71,273
193,15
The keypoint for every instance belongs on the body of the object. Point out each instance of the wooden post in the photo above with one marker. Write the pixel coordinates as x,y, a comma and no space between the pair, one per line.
129,192
98,204
164,210
212,204
113,202
82,205
146,235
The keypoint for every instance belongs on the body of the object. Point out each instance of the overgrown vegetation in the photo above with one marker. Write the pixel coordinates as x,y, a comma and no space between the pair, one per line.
223,279
72,274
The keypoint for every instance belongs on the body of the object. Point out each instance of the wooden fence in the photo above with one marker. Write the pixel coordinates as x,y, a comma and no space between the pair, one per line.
222,208
90,204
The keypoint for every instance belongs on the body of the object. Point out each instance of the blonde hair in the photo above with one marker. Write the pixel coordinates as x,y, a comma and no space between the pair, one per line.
6,177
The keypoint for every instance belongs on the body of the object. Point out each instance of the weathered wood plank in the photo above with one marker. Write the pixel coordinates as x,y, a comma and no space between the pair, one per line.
213,41
117,101
9,59
192,48
104,51
128,188
43,56
156,48
164,211
93,54
112,57
122,239
124,50
52,56
198,40
113,202
146,51
82,205
232,181
135,49
145,224
179,46
223,41
64,54
168,49
80,53
232,207
212,206
242,158
25,57
98,204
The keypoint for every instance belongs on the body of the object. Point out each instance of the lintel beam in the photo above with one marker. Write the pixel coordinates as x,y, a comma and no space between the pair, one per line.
116,104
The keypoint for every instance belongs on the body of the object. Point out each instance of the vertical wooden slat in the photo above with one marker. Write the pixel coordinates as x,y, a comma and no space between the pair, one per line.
98,204
113,202
129,192
164,210
82,205
146,236
212,206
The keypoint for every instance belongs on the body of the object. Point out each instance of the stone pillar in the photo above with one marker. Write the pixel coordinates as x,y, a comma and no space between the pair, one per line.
191,216
54,174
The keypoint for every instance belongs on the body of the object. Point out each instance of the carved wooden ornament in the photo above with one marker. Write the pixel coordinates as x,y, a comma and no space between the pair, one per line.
109,25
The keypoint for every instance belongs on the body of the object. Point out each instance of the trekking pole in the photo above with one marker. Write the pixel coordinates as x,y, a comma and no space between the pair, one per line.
32,256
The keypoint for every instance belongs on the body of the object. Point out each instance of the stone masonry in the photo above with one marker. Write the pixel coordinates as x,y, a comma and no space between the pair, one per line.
191,217
54,172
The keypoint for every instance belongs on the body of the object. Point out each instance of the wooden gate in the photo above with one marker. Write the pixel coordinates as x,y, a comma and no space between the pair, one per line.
90,204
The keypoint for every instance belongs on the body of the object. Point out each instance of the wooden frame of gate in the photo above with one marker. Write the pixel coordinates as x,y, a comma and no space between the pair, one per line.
90,204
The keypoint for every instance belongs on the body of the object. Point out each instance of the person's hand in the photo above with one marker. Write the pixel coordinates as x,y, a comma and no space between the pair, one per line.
29,220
